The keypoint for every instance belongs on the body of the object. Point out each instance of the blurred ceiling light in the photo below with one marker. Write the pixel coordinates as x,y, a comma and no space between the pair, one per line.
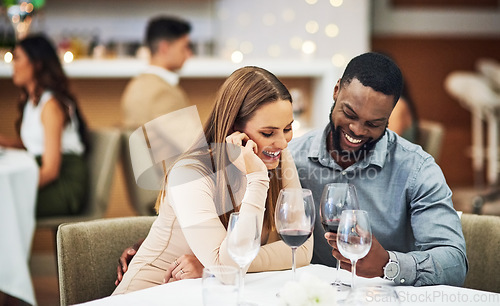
308,47
246,47
274,50
288,15
311,1
336,3
296,42
269,19
236,57
332,30
338,60
312,26
68,57
8,57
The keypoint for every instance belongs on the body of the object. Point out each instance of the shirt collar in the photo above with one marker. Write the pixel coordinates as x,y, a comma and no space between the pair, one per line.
318,150
170,77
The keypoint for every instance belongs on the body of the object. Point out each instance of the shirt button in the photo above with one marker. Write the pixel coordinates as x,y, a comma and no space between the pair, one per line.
402,281
344,173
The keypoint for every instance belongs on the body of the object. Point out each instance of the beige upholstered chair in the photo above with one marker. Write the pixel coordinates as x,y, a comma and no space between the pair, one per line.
431,136
482,239
142,200
101,161
88,252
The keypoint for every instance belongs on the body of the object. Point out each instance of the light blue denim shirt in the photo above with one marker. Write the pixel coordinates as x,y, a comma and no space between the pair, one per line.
407,199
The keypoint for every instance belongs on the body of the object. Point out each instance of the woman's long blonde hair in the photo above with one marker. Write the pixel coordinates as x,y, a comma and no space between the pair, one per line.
243,92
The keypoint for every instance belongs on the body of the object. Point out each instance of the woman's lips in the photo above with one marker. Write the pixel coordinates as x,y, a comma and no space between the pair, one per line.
274,155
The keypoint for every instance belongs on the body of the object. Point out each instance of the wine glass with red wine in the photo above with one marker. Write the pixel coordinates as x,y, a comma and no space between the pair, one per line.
336,198
295,216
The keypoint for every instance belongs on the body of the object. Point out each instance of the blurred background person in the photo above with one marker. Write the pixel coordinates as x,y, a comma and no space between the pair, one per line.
155,91
50,127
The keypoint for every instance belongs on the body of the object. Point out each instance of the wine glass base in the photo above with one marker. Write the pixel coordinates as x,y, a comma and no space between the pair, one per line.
341,286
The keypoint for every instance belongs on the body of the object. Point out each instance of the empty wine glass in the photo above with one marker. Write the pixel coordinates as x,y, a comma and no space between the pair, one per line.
354,237
294,216
336,198
243,243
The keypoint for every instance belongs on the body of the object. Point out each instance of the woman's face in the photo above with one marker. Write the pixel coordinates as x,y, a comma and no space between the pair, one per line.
271,129
23,69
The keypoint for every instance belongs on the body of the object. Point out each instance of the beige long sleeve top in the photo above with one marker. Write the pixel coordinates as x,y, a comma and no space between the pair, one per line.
188,223
148,96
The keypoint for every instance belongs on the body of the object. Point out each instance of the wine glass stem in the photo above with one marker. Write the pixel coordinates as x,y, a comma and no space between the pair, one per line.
241,285
337,276
293,262
353,264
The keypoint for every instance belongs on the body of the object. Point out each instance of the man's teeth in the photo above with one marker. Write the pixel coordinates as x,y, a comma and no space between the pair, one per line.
352,140
272,153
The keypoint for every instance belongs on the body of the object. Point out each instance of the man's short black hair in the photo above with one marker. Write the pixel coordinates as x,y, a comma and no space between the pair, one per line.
377,71
165,28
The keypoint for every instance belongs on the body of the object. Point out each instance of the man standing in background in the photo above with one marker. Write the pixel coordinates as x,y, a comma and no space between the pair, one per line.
155,91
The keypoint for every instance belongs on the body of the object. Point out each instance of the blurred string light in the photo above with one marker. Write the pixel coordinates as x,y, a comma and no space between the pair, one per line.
308,47
338,60
336,3
68,57
311,2
312,26
20,14
8,57
237,57
332,30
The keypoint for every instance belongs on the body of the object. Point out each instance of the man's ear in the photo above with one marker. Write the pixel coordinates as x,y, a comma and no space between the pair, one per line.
163,46
336,90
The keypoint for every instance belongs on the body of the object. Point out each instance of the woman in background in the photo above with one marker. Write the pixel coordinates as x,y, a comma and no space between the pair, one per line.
50,127
252,112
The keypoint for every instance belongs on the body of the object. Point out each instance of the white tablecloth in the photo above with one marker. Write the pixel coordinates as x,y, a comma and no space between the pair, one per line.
261,289
18,189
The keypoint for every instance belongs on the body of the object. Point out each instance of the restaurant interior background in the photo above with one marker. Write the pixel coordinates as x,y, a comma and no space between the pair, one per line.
428,39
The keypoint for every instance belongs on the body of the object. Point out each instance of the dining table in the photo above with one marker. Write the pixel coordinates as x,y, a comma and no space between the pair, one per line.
266,288
18,192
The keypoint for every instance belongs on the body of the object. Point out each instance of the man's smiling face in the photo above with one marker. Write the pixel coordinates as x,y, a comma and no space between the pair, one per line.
359,118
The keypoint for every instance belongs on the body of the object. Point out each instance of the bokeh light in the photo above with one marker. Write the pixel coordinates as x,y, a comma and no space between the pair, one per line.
332,30
309,47
68,57
237,57
8,57
312,26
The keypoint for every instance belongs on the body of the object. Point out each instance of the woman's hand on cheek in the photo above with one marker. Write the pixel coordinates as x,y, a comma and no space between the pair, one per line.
244,157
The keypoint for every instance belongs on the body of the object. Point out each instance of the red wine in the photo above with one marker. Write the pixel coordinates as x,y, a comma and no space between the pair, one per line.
330,226
294,238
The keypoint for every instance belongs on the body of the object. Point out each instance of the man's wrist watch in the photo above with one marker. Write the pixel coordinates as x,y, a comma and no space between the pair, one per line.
391,269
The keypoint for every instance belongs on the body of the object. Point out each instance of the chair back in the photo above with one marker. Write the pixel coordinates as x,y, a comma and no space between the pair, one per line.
142,200
101,164
482,240
87,254
431,136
